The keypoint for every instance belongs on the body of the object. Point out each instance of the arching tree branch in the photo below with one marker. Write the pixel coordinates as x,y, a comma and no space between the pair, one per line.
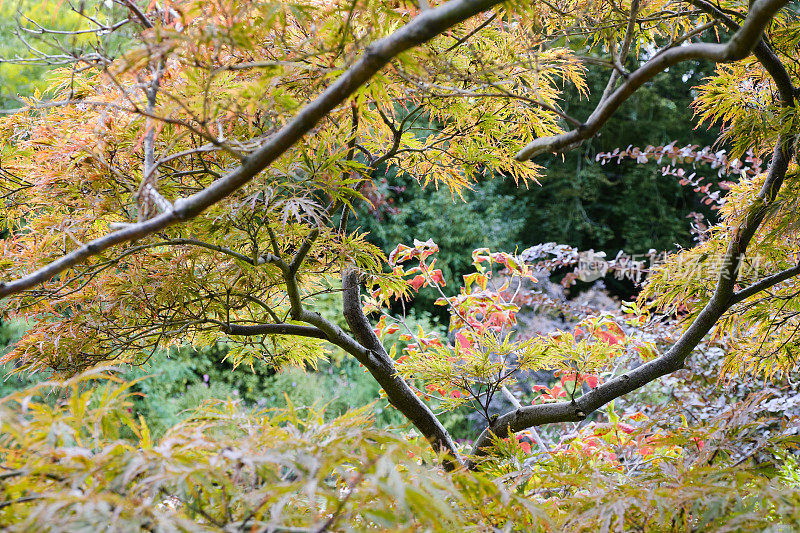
737,48
421,29
765,55
721,301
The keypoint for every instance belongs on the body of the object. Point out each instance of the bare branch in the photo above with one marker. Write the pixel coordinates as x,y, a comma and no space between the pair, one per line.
465,38
148,194
619,62
209,246
101,28
303,252
464,93
143,20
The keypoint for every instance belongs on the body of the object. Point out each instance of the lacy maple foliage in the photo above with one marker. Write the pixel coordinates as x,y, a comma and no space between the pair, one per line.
200,187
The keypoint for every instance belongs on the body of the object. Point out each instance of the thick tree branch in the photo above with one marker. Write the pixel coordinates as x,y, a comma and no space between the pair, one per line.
737,48
382,369
421,29
275,329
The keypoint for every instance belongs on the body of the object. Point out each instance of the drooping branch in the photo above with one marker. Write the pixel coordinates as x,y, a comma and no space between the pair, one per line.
738,47
377,55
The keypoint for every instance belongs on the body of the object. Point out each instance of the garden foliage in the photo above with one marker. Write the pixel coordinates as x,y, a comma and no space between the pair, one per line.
200,188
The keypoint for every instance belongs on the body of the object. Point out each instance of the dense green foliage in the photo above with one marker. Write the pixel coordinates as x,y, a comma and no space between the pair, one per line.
621,207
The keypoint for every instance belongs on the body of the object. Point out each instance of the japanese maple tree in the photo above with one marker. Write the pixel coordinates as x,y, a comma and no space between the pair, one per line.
198,186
